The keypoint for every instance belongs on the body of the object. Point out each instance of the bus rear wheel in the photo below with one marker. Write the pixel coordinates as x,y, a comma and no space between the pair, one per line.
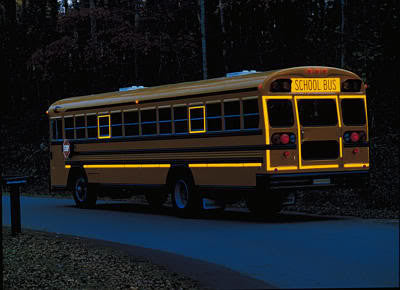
264,206
84,193
185,197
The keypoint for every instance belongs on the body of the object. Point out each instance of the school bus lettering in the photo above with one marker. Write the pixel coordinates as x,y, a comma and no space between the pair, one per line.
315,85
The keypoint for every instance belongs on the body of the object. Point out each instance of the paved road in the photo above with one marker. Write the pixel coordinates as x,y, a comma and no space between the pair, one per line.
292,251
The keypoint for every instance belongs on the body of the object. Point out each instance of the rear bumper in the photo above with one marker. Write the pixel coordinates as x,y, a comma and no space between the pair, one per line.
313,180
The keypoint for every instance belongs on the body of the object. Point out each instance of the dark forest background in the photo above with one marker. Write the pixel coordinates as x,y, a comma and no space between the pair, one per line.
53,49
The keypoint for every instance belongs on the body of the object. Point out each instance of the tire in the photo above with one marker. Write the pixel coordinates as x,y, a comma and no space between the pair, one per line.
156,199
264,205
84,194
185,197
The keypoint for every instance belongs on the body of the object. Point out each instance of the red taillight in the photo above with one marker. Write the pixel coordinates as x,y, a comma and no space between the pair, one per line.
284,138
355,137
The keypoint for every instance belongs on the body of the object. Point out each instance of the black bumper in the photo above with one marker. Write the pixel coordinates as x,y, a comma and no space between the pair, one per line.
358,179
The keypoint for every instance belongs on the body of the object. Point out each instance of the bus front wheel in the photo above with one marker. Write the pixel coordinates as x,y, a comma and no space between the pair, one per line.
185,197
84,193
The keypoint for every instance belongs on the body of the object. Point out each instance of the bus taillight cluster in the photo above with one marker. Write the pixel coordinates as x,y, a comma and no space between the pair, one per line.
354,136
283,138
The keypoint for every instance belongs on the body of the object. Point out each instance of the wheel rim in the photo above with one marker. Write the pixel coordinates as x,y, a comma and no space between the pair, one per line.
181,194
81,189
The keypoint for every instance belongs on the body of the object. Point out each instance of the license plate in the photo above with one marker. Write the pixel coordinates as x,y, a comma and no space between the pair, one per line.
322,181
315,85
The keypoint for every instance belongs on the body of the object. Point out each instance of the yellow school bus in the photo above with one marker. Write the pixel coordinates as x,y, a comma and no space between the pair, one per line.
253,135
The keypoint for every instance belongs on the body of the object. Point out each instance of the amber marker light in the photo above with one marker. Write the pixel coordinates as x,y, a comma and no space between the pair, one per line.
137,101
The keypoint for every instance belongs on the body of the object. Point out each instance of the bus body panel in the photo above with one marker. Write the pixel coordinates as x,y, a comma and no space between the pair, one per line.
226,159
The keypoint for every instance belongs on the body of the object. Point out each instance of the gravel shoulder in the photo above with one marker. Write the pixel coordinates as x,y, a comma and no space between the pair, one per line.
40,260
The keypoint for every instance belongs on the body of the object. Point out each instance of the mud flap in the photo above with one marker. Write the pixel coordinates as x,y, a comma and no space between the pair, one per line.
210,204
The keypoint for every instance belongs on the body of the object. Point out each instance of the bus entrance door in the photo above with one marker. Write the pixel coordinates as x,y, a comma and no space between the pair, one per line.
319,131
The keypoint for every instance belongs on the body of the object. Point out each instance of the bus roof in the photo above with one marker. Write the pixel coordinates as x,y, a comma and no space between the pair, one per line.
223,84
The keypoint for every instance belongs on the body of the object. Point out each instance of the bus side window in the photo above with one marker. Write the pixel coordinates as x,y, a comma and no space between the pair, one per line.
69,127
116,124
180,120
197,119
80,127
165,121
232,115
131,123
91,126
250,114
104,126
214,117
148,121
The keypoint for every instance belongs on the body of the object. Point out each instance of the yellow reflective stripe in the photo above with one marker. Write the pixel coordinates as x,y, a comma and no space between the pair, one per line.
126,166
341,147
298,129
315,97
267,141
109,127
283,168
67,166
193,165
337,111
320,166
356,165
204,120
278,97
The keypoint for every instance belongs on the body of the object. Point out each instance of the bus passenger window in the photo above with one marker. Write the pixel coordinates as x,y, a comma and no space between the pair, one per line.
148,122
165,122
91,126
104,126
116,124
196,119
56,129
69,127
353,112
214,117
131,123
80,127
232,115
180,120
280,113
250,114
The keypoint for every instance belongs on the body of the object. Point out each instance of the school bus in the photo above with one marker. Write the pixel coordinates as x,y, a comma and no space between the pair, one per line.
253,135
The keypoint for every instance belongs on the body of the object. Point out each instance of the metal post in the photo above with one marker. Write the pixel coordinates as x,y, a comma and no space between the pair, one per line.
15,209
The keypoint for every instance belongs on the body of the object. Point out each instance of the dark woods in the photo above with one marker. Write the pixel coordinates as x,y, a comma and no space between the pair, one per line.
52,49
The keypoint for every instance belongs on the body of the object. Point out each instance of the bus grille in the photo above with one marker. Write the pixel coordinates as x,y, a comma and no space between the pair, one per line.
317,150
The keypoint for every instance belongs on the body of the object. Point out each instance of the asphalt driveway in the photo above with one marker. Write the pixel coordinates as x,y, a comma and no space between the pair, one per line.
290,251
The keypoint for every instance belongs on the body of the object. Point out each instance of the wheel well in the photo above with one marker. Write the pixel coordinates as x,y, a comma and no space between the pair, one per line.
73,174
178,171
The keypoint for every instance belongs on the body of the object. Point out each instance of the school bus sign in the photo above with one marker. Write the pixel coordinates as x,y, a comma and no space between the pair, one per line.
315,85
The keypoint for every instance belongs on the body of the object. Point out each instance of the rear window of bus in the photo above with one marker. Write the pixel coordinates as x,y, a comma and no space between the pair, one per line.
353,112
318,112
280,113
